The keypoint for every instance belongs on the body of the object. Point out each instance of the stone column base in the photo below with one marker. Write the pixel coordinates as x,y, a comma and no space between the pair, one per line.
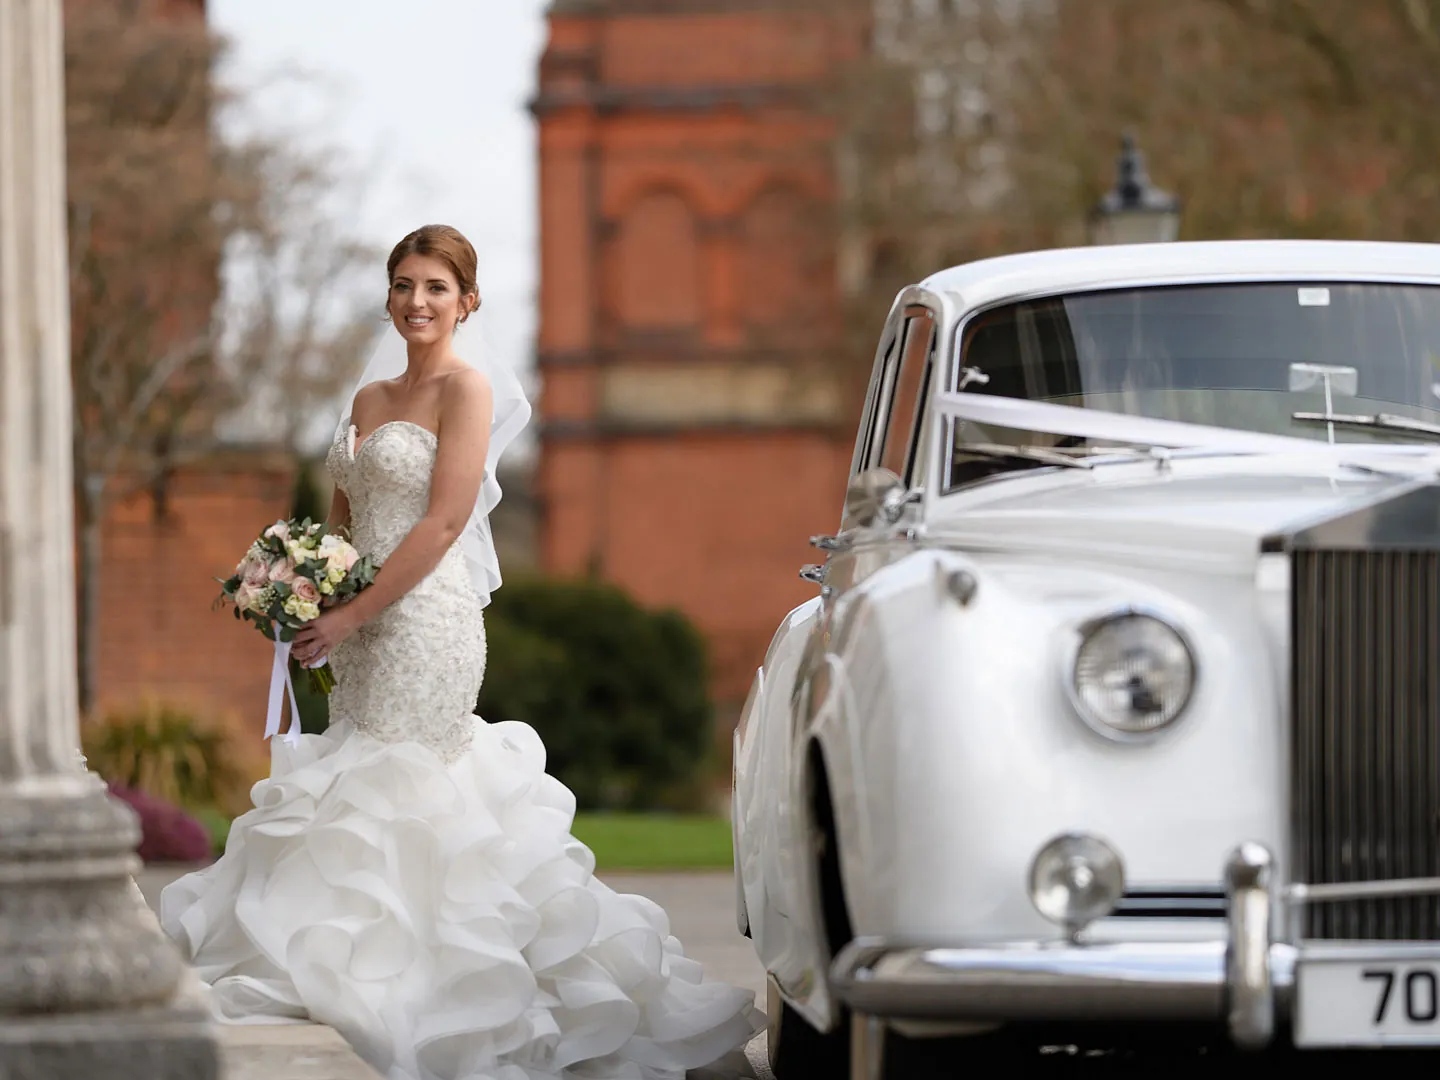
90,986
155,1043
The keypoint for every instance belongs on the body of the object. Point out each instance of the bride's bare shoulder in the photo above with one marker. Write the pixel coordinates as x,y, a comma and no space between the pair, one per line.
468,382
466,401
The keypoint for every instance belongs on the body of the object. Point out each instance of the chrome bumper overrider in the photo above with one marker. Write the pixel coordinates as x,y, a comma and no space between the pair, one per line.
1244,982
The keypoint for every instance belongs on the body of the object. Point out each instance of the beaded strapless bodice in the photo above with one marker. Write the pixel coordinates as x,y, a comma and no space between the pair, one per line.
387,480
413,672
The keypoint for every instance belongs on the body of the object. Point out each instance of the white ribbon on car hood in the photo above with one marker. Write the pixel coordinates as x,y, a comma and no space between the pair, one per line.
1023,415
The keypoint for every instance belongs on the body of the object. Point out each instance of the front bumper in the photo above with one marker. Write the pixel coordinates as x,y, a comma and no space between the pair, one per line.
1245,982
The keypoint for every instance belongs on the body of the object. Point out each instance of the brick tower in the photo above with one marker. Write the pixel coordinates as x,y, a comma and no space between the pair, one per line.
691,427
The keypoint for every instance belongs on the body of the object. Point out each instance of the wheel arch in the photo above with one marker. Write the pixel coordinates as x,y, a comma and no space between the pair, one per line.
826,869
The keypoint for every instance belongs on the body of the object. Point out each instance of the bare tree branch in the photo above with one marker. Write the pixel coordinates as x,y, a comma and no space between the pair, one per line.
1299,19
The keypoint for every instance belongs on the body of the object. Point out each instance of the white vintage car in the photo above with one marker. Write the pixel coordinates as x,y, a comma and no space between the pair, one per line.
1119,705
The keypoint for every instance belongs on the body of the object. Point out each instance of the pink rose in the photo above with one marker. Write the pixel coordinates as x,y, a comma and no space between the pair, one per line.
254,572
280,529
283,571
245,596
305,589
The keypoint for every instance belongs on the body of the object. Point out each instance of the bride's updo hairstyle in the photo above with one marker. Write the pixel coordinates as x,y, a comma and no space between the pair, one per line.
450,247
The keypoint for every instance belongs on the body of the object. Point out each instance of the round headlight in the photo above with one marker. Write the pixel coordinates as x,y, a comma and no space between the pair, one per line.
1133,674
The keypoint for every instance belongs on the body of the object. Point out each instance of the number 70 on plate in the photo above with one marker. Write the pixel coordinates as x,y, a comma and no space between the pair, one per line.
1367,1003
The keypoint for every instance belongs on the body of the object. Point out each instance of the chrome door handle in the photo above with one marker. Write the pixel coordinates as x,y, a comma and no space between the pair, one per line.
830,543
814,572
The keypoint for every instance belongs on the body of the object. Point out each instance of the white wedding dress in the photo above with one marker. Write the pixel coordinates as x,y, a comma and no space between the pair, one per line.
409,877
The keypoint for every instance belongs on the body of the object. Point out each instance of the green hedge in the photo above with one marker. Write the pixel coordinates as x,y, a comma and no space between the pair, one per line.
618,693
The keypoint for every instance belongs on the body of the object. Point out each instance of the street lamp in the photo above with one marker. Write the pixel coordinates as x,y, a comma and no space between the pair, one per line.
1135,211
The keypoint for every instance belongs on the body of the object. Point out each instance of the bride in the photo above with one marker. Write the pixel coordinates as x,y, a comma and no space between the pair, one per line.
409,877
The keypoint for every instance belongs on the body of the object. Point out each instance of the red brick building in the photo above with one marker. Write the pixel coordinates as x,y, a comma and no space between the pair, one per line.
158,634
692,424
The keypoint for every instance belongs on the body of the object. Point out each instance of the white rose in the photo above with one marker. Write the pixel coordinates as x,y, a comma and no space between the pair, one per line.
304,610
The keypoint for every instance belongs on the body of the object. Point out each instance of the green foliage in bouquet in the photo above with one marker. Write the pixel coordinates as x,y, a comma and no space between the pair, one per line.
617,692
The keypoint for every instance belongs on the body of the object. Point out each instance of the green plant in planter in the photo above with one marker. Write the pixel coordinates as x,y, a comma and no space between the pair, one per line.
167,752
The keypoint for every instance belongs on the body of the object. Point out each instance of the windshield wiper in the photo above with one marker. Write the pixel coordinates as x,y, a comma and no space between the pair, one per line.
1385,421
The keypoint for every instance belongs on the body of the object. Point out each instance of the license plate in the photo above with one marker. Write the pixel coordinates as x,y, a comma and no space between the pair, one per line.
1367,1002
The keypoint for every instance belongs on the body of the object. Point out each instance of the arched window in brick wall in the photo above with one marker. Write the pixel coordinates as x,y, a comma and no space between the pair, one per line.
788,275
657,266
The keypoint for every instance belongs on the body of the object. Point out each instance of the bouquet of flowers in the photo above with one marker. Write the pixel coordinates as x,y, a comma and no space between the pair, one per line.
293,572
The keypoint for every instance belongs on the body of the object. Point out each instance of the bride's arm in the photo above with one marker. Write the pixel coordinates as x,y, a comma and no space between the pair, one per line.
465,416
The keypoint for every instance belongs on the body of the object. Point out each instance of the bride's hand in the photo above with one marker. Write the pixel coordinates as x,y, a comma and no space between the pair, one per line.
320,636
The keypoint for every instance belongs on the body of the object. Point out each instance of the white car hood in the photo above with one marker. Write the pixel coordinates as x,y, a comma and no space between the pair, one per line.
1213,511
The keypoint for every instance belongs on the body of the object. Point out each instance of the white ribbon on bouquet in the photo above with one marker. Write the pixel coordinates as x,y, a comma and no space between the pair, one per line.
280,684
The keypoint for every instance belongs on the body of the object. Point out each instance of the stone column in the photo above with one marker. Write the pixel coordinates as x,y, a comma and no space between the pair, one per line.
88,982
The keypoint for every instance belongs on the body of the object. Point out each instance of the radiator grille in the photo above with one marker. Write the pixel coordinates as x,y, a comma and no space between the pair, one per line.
1365,697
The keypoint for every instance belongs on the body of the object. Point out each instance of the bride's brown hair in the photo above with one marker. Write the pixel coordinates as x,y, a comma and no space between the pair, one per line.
450,247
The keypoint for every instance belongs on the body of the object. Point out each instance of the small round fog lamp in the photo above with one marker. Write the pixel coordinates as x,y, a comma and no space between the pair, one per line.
1076,879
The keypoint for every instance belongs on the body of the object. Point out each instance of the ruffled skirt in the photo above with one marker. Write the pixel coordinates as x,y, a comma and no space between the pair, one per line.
444,920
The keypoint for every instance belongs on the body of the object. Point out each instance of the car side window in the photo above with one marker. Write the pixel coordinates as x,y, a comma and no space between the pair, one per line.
895,450
873,421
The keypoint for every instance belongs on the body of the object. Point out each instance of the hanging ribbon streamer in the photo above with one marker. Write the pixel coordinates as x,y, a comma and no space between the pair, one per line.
280,683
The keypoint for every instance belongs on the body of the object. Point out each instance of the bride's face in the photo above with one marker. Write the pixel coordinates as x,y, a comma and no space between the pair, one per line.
425,299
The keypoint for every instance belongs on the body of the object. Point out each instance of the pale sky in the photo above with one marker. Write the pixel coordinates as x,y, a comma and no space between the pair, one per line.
427,99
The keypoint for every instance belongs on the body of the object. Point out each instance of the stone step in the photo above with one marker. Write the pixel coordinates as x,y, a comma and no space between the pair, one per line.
288,1052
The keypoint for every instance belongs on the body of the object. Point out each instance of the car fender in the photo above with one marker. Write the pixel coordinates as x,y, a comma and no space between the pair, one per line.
770,831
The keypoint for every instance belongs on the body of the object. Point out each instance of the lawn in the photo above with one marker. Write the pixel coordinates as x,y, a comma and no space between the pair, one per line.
620,841
655,841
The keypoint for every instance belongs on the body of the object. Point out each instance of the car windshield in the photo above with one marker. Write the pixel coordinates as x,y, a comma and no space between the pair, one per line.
1256,357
